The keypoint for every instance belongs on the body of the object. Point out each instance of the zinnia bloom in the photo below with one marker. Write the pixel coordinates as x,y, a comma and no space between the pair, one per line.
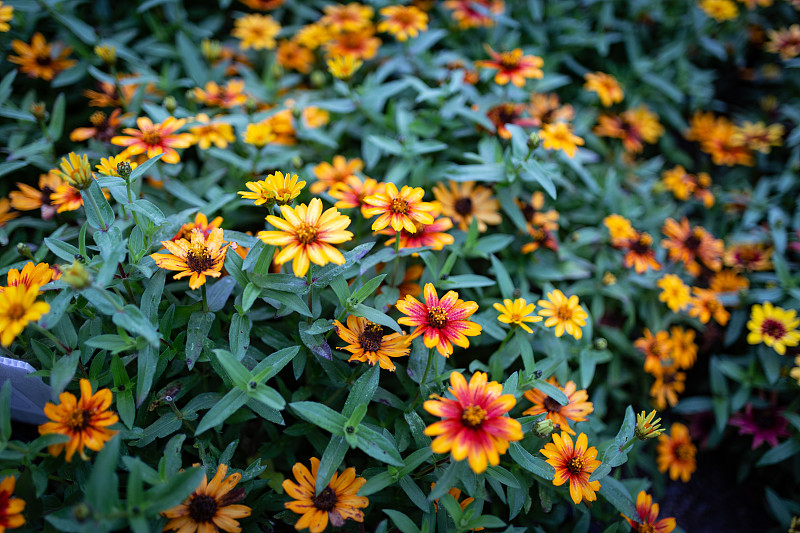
513,66
403,21
256,31
705,305
774,326
517,312
576,410
606,86
785,41
564,313
352,191
212,507
719,10
619,228
306,233
640,254
464,201
200,224
291,55
676,453
728,281
18,306
656,348
197,258
84,421
6,14
559,136
573,463
475,13
400,209
674,292
108,165
427,235
668,384
155,139
684,349
207,133
343,66
509,113
259,134
32,274
10,508
443,322
339,171
335,504
6,213
750,257
360,44
28,198
37,59
648,517
367,342
691,245
473,425
765,425
103,128
347,17
228,96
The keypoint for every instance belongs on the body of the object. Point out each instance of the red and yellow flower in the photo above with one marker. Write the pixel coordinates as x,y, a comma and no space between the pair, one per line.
648,521
154,139
473,426
10,508
367,342
197,258
774,326
513,66
400,209
576,409
403,21
676,453
574,463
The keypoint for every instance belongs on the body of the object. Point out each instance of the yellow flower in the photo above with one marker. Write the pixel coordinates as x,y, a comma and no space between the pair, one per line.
306,234
758,136
719,10
259,134
674,292
85,421
256,31
774,326
351,17
403,21
464,201
564,313
367,342
517,312
197,258
258,192
676,453
400,209
76,170
559,136
207,133
6,213
646,427
32,274
795,372
6,14
705,304
606,86
344,66
620,229
107,53
312,36
108,165
315,117
18,306
284,188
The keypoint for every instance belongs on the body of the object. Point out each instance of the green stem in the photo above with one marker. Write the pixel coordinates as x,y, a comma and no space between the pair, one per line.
96,210
627,445
130,201
508,336
205,297
52,337
126,283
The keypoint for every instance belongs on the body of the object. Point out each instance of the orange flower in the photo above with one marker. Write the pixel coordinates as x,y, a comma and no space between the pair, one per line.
6,214
751,257
684,350
292,55
473,426
352,191
347,17
606,86
559,136
635,127
640,254
443,322
359,45
706,305
576,409
669,383
155,139
103,128
200,224
545,108
256,31
676,453
37,59
340,171
656,349
32,274
513,66
197,258
689,245
785,41
28,198
728,281
648,521
464,201
84,421
227,97
475,13
10,508
368,344
573,463
400,209
674,292
403,21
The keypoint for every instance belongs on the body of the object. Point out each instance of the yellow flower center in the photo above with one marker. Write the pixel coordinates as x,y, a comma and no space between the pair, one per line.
151,137
198,259
15,311
399,206
772,328
437,317
510,60
645,528
202,508
326,501
684,452
473,416
564,313
371,338
306,233
575,465
97,118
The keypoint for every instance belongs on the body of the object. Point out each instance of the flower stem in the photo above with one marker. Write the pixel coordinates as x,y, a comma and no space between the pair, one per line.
508,336
52,337
130,201
205,297
96,210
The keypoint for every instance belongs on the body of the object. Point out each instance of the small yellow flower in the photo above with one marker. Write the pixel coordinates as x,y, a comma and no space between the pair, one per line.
107,53
403,21
719,10
564,313
774,326
344,66
207,133
606,86
76,170
795,372
259,134
18,306
284,188
559,136
256,31
108,165
674,292
620,229
646,427
6,14
517,312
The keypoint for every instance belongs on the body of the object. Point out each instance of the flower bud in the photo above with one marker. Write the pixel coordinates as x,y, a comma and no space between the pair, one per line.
81,512
318,79
534,140
646,427
170,104
25,251
76,171
543,428
297,161
124,169
212,50
107,53
76,275
38,110
600,343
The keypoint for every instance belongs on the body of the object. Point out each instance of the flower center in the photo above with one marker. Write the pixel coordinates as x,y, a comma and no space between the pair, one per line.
437,317
151,137
693,242
564,313
640,247
399,206
202,508
198,259
683,452
77,420
510,60
552,405
772,328
371,338
645,528
43,61
463,206
46,192
326,501
528,211
306,233
575,465
98,118
15,311
473,416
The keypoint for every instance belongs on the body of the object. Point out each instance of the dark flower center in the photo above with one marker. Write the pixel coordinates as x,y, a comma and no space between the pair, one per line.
306,234
46,192
463,206
78,420
437,317
575,465
645,528
98,118
693,241
199,260
640,247
552,405
772,328
399,206
371,338
509,60
151,137
44,61
683,452
202,508
473,416
326,501
528,211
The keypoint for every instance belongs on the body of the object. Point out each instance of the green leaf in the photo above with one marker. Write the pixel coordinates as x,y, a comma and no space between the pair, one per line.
503,279
146,362
142,169
271,365
534,465
451,506
5,411
780,453
103,216
63,372
224,408
447,480
191,60
240,376
239,335
503,476
403,522
551,390
132,320
101,489
322,416
363,390
617,495
196,333
148,210
373,315
268,396
376,484
179,486
61,249
368,289
56,127
377,446
485,521
332,458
